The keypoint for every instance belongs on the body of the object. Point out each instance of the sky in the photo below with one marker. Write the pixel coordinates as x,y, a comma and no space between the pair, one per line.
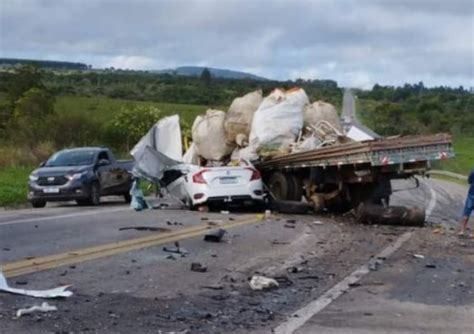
357,43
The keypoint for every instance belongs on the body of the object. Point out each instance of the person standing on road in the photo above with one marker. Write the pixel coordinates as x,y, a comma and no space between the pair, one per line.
469,206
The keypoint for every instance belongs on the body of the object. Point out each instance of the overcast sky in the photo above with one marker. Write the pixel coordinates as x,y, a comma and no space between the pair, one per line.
358,43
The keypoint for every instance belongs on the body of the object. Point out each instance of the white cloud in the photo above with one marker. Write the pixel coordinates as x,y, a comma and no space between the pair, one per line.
129,62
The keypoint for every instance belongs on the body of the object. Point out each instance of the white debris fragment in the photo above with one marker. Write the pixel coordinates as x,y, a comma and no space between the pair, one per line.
418,256
261,282
51,293
44,307
318,222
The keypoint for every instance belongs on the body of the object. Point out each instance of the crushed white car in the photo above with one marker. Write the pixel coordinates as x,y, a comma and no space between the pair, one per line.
158,159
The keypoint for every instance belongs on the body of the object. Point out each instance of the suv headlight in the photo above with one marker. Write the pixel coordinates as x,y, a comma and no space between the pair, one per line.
75,176
33,178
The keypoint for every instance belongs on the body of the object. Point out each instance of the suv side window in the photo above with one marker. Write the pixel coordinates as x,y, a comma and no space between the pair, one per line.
103,155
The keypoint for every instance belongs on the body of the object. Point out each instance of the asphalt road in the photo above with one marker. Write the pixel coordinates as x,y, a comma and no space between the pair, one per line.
146,289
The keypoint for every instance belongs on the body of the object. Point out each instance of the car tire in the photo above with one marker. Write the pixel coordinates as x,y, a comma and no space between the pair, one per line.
82,202
38,204
295,191
279,186
127,197
94,194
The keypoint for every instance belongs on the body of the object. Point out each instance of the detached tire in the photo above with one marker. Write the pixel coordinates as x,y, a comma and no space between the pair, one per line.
279,186
38,204
94,195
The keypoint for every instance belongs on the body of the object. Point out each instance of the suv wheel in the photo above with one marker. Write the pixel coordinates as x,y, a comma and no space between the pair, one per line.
94,195
38,203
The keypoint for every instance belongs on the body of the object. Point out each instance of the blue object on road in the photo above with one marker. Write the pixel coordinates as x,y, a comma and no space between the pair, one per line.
138,202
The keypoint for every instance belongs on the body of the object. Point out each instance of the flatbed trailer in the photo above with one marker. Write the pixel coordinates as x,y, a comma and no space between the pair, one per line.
346,175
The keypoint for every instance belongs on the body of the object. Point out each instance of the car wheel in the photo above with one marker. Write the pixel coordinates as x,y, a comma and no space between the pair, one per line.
127,197
279,186
82,202
38,203
94,195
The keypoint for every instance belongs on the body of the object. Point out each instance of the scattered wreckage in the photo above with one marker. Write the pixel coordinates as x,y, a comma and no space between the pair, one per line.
294,150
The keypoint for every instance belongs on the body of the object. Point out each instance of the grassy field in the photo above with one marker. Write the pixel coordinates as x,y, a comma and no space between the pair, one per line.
104,108
464,161
13,185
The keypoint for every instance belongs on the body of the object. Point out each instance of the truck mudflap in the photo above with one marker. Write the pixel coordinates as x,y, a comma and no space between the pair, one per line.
390,215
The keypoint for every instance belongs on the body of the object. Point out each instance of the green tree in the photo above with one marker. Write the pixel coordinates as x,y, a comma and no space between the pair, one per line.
133,123
25,78
206,76
31,116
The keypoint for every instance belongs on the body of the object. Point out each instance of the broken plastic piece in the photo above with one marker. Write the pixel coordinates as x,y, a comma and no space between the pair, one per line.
51,293
44,307
215,237
418,256
198,267
261,282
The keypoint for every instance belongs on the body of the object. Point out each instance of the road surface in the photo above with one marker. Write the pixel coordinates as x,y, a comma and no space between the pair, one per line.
124,281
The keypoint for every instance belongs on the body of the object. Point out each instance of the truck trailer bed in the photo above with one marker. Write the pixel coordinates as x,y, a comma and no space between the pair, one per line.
380,152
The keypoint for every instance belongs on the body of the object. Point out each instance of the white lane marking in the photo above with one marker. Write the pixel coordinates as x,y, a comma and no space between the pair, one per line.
300,317
70,215
432,203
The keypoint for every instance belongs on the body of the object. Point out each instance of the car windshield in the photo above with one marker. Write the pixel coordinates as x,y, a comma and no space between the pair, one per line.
71,158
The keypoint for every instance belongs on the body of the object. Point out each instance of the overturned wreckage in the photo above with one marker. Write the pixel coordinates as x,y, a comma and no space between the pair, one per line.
298,149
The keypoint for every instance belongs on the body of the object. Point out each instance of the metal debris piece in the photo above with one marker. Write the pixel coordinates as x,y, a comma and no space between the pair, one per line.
216,236
51,293
145,228
44,307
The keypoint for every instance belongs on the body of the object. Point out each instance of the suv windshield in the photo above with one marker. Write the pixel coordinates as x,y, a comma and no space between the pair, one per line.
71,158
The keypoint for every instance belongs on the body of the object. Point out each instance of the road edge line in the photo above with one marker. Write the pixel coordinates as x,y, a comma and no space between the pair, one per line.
300,317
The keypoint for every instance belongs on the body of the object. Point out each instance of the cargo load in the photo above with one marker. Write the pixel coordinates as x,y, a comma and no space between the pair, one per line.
238,120
278,122
209,136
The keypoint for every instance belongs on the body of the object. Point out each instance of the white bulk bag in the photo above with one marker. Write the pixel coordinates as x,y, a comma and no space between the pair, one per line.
209,135
278,121
322,111
238,120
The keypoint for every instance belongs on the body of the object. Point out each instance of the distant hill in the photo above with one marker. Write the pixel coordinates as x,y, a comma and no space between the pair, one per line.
194,71
51,64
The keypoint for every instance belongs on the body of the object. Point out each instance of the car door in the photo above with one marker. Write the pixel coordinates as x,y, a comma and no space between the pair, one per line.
104,173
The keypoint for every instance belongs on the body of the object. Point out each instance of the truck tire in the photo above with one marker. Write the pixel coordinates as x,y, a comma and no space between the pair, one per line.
279,186
38,203
291,207
295,191
94,194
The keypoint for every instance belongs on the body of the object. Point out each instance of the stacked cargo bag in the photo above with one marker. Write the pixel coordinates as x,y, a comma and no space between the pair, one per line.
321,111
209,136
278,122
238,120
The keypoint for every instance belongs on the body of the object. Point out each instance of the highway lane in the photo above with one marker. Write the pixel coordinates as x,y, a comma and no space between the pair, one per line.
147,278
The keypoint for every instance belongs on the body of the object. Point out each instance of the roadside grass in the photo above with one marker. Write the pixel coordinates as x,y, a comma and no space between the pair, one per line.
13,185
463,163
103,108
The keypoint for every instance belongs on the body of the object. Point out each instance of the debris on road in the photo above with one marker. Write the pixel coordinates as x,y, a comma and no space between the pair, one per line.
318,222
391,215
51,293
225,212
261,282
44,307
145,228
216,236
176,249
431,266
418,256
198,267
